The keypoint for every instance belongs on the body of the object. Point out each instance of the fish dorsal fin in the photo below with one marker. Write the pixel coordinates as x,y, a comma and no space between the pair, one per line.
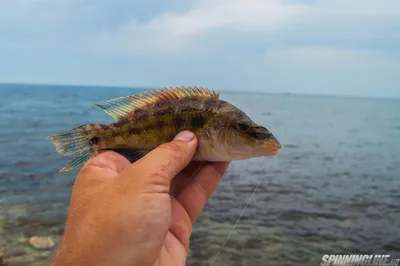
119,107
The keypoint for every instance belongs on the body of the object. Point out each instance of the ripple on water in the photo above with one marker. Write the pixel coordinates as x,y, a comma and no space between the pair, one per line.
266,113
290,146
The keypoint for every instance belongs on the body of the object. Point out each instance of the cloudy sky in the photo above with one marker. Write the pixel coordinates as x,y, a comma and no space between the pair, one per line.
300,46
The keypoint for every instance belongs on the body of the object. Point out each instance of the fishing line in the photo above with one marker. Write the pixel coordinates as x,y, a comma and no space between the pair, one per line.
237,221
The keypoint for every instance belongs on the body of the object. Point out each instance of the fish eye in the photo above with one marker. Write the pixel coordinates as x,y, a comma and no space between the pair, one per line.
243,126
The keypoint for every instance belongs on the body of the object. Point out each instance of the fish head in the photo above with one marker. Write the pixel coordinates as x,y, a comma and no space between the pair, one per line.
237,137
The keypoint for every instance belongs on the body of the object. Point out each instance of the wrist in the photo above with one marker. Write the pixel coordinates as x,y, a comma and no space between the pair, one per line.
64,257
73,253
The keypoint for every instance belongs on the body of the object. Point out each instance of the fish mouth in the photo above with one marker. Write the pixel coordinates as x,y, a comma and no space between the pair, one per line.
272,146
276,143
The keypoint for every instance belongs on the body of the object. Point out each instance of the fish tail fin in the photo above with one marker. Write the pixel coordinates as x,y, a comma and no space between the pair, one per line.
75,141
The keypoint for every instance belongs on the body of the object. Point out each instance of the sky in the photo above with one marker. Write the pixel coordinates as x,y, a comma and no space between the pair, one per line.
299,46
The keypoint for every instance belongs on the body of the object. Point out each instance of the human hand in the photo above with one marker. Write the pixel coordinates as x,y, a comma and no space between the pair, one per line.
141,213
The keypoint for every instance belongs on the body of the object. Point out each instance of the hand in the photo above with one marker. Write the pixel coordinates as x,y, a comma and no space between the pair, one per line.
141,213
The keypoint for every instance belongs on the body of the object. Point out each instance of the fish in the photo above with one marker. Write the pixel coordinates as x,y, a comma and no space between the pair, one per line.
145,121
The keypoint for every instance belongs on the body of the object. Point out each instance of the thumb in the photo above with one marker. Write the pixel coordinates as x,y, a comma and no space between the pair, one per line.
162,164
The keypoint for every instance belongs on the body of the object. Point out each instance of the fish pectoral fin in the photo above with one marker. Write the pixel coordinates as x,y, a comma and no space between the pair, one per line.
131,154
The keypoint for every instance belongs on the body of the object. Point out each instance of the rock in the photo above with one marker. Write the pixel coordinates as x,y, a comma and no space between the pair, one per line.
41,242
17,211
21,240
2,220
17,252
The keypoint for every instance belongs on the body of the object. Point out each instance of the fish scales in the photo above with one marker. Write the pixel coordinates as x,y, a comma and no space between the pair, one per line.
160,122
145,121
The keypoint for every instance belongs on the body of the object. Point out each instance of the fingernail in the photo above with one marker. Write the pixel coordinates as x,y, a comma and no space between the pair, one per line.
185,136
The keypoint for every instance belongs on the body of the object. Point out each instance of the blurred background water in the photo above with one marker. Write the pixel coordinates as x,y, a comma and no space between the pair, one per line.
333,189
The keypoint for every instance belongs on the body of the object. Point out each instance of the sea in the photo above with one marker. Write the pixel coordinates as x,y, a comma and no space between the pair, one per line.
333,189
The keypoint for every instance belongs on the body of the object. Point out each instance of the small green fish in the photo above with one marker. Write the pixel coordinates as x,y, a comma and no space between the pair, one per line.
145,121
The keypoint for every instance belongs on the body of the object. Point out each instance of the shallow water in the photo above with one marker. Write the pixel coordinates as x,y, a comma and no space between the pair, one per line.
333,189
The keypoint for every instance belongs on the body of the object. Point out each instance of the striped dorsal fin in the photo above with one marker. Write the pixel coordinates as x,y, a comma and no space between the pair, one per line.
120,107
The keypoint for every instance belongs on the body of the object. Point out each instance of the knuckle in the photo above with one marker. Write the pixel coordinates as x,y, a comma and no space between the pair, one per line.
203,192
159,177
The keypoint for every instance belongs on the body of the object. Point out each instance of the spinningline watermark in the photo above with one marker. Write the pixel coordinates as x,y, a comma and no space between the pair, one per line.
359,260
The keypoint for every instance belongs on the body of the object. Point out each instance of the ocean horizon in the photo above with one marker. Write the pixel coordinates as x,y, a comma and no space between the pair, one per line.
142,88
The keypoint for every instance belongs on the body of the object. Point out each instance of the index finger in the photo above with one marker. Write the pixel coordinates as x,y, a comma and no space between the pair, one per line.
196,194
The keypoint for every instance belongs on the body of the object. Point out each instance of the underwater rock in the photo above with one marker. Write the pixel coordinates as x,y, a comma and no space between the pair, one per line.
1,223
17,211
41,242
